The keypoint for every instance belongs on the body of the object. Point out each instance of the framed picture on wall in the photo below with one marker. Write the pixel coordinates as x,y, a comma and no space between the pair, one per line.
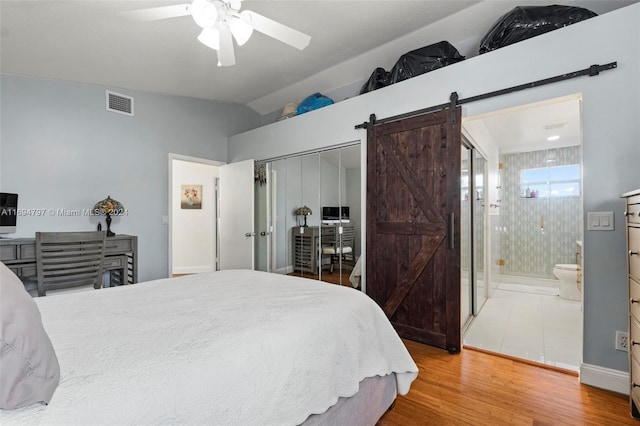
191,197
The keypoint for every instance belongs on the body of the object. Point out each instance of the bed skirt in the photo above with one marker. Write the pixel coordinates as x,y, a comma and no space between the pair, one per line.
365,408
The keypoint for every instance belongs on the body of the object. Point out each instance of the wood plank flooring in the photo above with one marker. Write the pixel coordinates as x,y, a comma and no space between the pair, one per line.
475,388
333,277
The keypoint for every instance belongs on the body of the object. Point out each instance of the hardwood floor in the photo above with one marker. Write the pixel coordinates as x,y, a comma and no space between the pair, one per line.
475,388
333,277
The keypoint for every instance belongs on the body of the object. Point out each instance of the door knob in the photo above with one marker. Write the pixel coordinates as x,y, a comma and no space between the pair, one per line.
250,234
633,253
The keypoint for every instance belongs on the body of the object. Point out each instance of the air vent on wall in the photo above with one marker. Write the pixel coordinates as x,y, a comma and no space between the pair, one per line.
119,103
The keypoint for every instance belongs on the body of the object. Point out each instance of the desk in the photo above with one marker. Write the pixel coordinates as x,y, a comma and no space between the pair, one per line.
306,245
121,256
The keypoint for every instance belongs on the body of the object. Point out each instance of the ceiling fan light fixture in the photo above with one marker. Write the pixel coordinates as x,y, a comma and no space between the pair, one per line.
210,37
240,29
204,12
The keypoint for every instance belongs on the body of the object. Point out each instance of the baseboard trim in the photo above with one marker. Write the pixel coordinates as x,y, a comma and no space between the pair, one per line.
523,361
605,378
284,271
192,269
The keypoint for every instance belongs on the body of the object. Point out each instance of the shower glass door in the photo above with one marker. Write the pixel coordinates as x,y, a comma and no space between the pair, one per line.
466,237
479,166
473,181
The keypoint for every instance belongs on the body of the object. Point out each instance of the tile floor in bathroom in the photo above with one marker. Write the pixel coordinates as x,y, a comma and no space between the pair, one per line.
533,325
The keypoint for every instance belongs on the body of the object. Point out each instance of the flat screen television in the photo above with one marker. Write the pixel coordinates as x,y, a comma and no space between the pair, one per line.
8,212
335,214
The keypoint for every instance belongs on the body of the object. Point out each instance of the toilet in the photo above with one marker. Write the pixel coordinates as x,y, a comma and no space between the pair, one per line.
568,276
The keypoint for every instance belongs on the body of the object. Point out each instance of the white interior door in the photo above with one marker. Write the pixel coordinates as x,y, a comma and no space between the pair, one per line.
237,224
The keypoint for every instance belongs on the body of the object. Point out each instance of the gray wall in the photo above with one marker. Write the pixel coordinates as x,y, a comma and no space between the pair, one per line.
611,130
61,149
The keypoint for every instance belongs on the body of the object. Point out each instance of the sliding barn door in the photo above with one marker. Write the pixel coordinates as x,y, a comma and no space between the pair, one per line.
413,211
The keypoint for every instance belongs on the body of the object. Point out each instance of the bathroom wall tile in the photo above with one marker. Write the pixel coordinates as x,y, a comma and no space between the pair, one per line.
537,233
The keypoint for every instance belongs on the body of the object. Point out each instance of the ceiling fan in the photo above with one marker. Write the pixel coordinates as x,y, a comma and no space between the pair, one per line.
221,22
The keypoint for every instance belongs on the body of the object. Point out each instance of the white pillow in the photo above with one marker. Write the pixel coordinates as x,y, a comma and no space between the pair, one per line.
29,369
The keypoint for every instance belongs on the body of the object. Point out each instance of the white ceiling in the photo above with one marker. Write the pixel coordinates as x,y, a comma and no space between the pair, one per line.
88,41
528,127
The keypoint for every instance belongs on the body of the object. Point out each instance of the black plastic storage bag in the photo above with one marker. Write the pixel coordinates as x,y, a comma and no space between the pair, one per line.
379,78
524,22
423,60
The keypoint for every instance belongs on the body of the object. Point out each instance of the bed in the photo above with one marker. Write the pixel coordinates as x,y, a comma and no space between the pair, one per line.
222,348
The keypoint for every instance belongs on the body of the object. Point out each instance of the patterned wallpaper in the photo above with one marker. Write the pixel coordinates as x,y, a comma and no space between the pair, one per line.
534,234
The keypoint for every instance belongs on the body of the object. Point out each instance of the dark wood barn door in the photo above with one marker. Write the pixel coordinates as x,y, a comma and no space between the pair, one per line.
413,212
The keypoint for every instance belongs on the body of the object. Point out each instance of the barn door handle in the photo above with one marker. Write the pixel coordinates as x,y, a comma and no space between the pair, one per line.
452,227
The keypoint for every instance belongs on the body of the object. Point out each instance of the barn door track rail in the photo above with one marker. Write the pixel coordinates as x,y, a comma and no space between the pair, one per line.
592,71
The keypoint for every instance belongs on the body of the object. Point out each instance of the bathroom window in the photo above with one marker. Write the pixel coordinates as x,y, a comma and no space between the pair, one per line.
560,181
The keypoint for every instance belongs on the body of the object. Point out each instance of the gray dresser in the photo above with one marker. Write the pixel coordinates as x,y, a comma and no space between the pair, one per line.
120,257
306,243
632,214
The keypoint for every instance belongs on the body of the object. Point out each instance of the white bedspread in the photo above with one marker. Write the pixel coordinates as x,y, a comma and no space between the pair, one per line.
223,348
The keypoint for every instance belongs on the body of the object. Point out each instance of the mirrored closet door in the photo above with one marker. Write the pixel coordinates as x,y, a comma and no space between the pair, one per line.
315,229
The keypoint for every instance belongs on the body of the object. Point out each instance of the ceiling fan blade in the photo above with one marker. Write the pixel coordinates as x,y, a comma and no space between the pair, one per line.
157,13
276,30
226,56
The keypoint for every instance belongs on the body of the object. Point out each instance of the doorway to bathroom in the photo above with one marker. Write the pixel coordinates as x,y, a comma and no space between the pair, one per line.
534,308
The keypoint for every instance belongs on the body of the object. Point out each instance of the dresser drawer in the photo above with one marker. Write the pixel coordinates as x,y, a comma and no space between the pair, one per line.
115,262
8,253
635,380
634,294
634,252
634,336
119,245
633,213
27,252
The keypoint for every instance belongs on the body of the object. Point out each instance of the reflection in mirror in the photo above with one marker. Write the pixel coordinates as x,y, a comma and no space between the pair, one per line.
281,221
340,199
305,231
262,217
352,231
310,189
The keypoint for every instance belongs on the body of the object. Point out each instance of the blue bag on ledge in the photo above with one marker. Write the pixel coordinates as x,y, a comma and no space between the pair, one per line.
312,102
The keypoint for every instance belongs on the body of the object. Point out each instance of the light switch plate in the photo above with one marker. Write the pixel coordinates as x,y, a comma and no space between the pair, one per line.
600,221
